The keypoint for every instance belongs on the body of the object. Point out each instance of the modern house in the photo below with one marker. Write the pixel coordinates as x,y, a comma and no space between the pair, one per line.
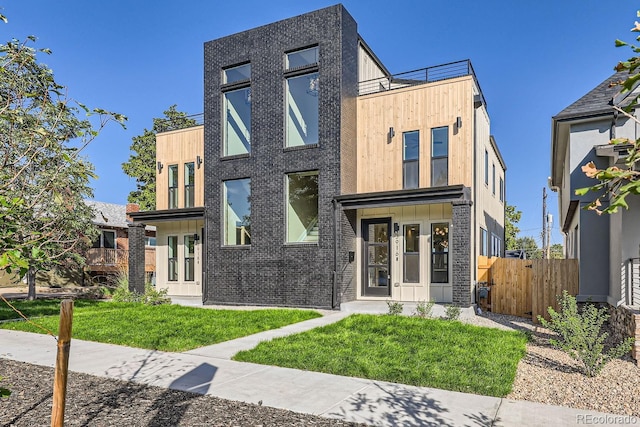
319,177
110,251
607,246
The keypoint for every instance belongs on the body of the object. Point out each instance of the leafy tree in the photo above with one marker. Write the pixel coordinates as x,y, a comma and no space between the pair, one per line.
142,161
43,178
529,245
512,217
616,183
556,251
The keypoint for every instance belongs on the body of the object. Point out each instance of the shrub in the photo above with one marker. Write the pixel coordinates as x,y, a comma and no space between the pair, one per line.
395,308
451,312
581,335
424,309
151,296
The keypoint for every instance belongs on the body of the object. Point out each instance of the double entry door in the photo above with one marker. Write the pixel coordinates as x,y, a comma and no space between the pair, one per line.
376,264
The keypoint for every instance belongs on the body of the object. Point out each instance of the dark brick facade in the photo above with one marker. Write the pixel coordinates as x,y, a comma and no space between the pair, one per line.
136,257
460,236
271,272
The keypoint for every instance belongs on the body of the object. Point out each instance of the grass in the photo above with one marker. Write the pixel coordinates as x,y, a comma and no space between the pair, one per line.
161,327
423,352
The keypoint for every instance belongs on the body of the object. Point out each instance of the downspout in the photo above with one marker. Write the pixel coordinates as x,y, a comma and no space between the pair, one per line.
475,197
334,288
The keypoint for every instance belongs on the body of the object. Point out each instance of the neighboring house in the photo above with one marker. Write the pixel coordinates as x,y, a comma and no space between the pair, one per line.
320,178
110,251
607,246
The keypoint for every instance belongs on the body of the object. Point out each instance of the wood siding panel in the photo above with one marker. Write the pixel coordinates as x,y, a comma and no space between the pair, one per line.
420,108
179,147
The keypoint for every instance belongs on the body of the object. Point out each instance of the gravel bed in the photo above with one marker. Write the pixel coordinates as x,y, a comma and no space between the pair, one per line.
547,375
94,401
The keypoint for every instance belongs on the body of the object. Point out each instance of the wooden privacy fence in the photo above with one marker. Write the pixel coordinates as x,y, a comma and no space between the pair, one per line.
526,288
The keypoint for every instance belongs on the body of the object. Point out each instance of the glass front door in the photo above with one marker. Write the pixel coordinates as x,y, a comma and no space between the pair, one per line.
376,276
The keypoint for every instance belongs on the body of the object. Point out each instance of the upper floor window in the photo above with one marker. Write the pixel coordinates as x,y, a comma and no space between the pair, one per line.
106,240
173,186
493,180
440,156
301,58
410,159
302,110
150,241
302,207
237,212
486,167
236,74
237,122
189,184
501,189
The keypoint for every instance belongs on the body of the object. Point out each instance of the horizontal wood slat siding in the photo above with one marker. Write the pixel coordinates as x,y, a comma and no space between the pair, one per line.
179,147
421,108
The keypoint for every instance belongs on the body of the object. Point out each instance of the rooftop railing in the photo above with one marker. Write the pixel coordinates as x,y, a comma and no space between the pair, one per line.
436,73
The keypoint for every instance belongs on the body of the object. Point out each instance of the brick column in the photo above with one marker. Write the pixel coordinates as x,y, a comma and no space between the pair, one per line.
136,257
460,237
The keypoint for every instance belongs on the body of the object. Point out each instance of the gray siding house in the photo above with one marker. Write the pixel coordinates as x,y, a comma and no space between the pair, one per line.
607,246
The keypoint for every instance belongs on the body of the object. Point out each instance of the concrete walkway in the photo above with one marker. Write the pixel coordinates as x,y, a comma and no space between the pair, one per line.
208,370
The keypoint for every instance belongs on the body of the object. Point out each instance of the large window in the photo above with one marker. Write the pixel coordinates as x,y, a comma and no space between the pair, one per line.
302,207
173,186
484,242
237,212
440,156
237,122
172,255
189,183
302,110
440,253
410,159
411,256
301,58
189,256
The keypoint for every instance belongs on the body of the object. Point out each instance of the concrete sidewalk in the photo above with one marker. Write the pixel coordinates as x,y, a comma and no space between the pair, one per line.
209,371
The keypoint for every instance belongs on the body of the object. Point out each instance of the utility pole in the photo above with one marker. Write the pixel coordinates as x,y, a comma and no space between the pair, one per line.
544,222
549,222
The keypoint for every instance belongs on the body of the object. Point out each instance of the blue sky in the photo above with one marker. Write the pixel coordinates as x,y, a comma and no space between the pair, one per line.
532,59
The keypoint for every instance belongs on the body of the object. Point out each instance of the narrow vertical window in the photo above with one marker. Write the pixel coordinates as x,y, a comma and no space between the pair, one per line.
486,167
440,253
237,212
410,159
173,186
411,256
237,122
302,207
302,110
440,156
172,254
189,183
493,180
189,256
484,243
501,189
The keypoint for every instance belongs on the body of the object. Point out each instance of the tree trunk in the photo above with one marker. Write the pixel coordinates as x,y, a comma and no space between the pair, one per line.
31,282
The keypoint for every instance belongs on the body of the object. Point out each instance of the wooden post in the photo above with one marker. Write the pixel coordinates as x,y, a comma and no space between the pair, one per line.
62,363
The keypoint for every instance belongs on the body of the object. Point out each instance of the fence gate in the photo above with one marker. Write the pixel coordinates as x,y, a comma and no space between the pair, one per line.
526,288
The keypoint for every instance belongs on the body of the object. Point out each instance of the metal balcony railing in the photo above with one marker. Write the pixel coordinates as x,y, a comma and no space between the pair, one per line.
423,75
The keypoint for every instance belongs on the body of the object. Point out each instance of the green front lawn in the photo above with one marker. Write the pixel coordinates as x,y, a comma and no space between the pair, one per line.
161,327
423,352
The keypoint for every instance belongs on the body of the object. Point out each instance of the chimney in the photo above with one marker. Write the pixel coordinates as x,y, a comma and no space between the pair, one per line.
131,207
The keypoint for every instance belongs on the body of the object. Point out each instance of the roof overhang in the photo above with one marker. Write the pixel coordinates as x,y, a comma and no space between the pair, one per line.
573,206
168,215
417,196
